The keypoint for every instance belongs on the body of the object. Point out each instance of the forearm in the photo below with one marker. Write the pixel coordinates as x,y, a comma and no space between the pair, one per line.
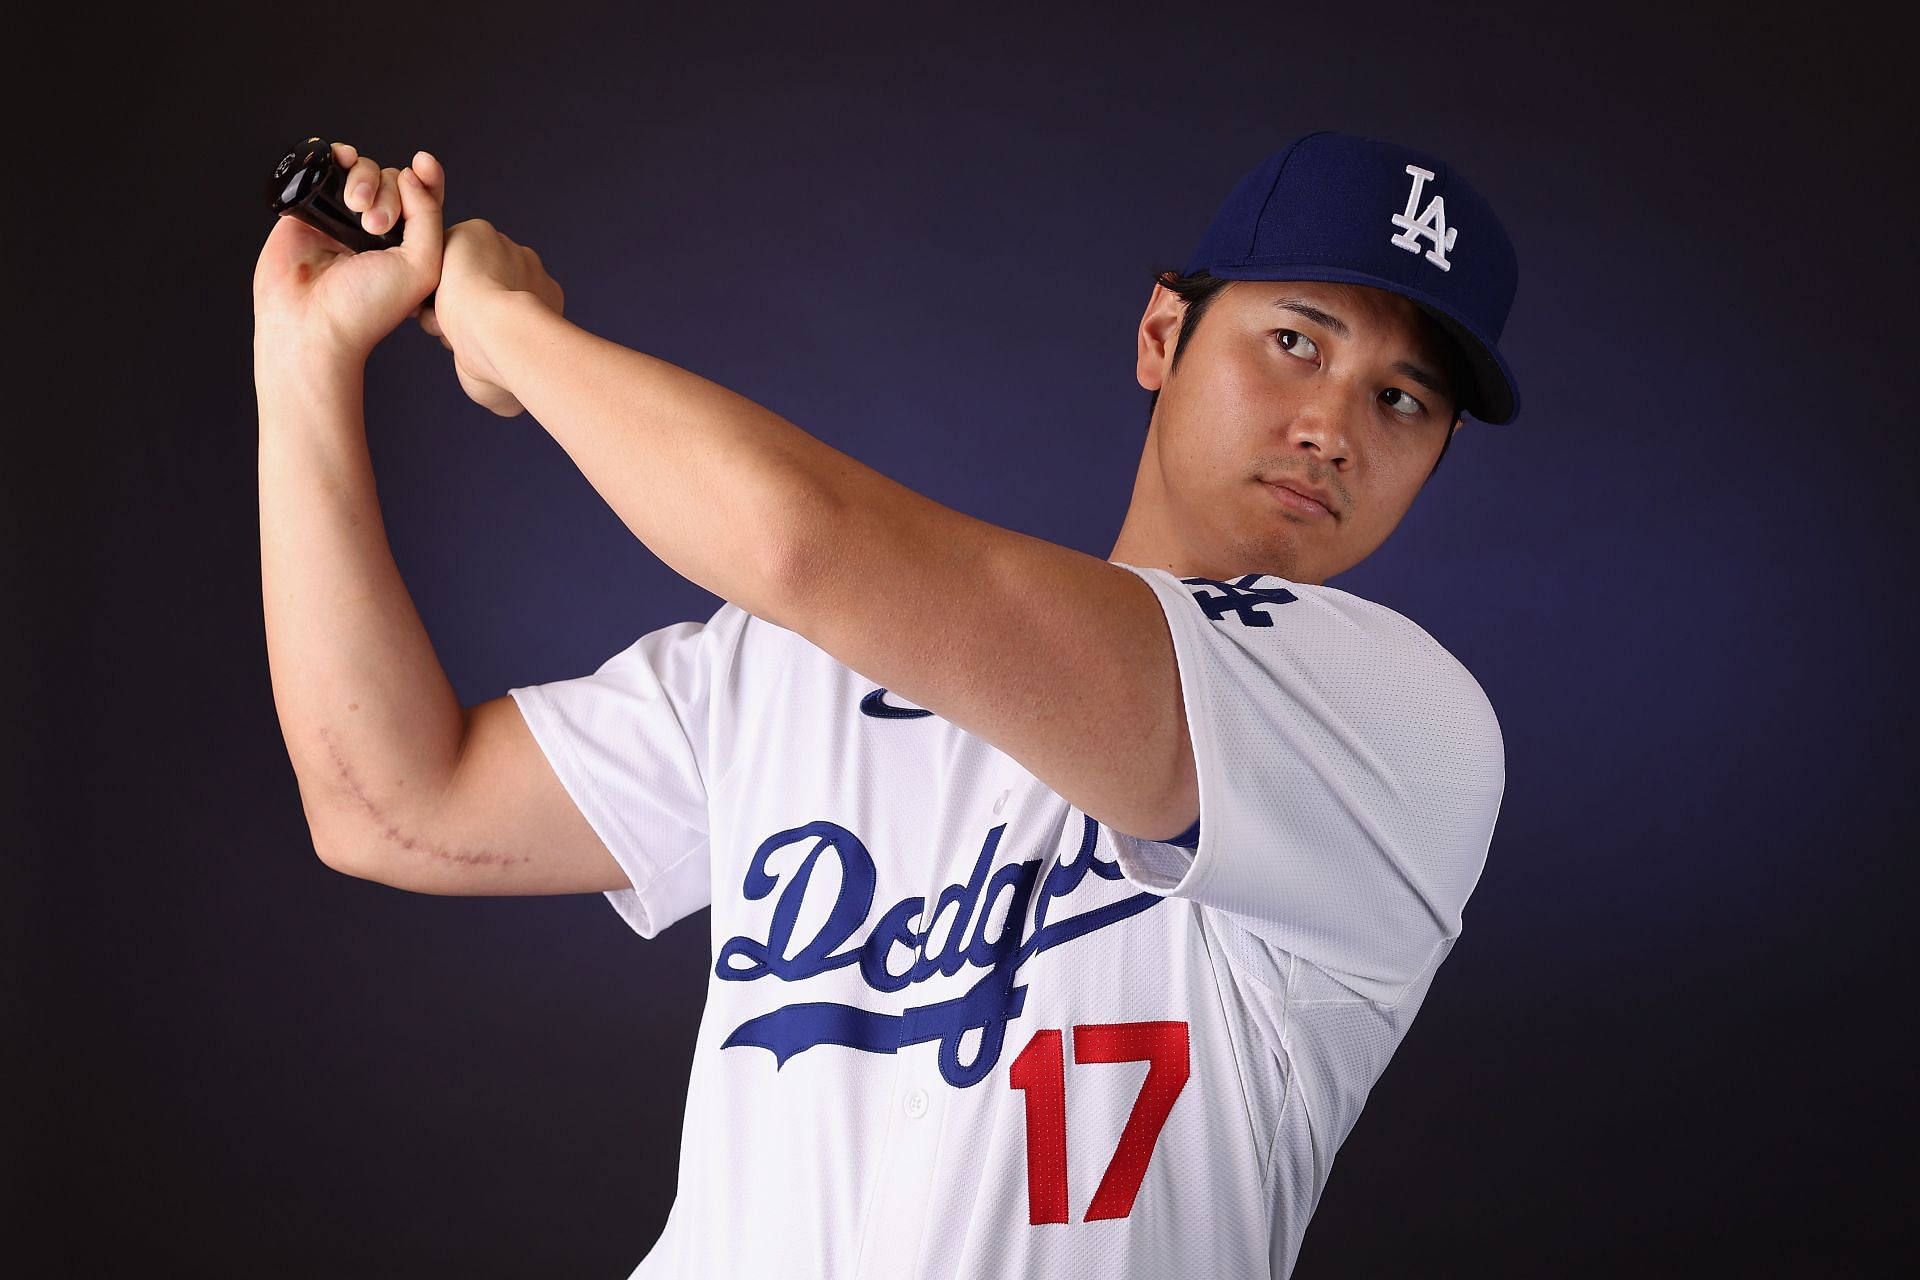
371,723
721,489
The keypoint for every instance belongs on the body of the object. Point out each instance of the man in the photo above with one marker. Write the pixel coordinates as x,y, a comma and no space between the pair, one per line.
1064,911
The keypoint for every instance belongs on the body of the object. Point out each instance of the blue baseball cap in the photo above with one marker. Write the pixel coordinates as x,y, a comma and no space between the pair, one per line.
1359,211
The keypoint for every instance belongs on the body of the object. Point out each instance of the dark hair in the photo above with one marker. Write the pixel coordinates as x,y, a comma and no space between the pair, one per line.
1197,293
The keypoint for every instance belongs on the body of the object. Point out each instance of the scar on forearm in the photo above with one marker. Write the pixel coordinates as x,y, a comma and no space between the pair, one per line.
391,831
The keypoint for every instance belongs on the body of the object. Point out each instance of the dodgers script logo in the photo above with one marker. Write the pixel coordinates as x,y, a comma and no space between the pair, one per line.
1432,224
987,1006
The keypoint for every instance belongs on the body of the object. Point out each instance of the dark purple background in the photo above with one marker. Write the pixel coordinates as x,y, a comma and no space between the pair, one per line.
1664,1042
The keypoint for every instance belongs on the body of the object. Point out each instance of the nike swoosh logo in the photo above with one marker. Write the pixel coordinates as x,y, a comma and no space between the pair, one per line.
876,705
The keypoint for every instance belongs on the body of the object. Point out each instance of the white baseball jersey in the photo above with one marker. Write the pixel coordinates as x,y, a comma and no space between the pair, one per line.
955,1028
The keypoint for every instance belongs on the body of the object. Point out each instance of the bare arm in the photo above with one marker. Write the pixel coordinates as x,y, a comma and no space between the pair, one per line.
395,787
1061,660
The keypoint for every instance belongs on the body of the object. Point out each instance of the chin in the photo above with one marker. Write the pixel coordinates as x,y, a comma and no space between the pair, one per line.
1277,554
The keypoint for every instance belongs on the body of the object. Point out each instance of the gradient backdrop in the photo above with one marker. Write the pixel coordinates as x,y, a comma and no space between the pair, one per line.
1664,1044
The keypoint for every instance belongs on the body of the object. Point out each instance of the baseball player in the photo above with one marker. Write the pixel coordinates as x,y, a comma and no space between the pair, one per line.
1064,911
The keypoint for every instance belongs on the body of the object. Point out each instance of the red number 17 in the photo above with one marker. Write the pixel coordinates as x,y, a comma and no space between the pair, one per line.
1041,1073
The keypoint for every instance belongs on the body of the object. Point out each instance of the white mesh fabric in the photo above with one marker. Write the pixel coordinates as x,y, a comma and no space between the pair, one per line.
1350,773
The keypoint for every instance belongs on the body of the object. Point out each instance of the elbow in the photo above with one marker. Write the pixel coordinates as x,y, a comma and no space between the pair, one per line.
341,845
345,858
794,552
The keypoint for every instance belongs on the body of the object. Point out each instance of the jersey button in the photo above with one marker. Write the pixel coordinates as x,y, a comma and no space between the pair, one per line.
916,1103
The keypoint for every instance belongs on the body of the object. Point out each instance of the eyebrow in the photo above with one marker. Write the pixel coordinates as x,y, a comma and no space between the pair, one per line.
1421,376
1338,328
1332,323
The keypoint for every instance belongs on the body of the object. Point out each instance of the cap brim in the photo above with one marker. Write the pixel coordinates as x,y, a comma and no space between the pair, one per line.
1495,396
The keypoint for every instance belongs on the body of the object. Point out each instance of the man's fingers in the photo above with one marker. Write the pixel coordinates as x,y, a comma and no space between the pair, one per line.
378,194
362,184
431,323
386,205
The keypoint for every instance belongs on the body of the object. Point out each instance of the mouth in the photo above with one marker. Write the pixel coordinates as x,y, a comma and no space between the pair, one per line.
1294,500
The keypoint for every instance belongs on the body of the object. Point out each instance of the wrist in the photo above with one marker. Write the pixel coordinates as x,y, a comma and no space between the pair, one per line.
490,331
297,355
497,315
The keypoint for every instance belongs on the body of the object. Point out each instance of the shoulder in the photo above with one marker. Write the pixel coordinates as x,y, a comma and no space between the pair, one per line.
1253,603
1343,647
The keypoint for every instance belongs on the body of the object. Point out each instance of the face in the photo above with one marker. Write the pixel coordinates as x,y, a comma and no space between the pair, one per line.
1338,388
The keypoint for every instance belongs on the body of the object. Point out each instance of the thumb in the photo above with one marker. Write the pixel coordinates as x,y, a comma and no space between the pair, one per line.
420,204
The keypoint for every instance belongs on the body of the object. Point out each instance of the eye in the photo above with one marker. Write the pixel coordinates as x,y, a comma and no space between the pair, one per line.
1402,403
1297,343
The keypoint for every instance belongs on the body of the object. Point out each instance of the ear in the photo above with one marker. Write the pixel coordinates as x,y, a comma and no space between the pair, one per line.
1159,335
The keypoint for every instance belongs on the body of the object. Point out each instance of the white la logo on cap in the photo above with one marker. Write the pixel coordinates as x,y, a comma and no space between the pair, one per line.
1432,224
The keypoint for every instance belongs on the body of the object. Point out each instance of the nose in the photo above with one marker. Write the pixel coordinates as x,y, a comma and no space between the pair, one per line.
1324,423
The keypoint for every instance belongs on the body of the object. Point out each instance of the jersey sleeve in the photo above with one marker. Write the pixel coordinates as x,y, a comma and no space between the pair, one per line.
1350,770
637,744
